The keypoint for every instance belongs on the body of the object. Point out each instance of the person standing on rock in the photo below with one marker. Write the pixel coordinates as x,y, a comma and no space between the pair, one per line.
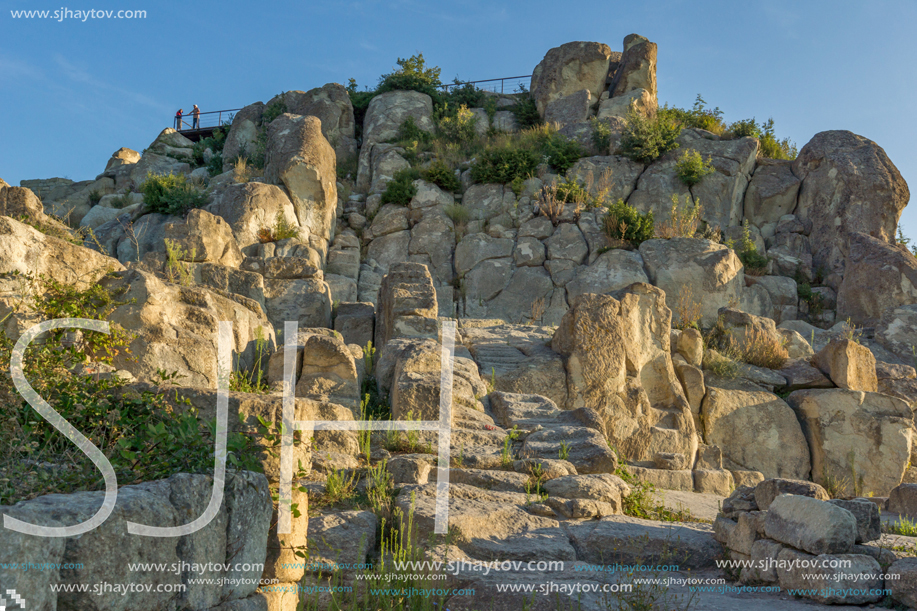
178,119
196,113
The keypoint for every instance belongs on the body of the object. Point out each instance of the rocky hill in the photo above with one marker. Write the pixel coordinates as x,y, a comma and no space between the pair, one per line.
678,342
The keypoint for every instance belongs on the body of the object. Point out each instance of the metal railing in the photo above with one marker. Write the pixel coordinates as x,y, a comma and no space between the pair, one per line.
214,118
508,84
218,118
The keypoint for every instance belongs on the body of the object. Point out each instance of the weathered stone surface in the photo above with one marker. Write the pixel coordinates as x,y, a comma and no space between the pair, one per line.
713,481
354,321
26,250
698,271
903,500
305,300
518,360
851,431
866,515
832,586
243,135
407,304
331,104
848,185
848,364
896,331
412,470
637,68
645,542
570,68
611,271
817,527
602,487
152,163
18,202
344,537
878,276
251,207
204,237
384,116
757,431
800,374
587,449
281,561
771,192
640,101
682,479
769,489
176,327
904,588
486,524
616,173
572,108
299,157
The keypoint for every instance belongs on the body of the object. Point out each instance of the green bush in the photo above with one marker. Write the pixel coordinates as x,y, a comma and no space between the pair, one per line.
458,128
699,116
274,109
401,190
525,110
623,222
691,167
171,194
503,165
466,94
439,174
215,143
412,75
647,139
124,424
601,135
771,147
409,131
755,263
560,152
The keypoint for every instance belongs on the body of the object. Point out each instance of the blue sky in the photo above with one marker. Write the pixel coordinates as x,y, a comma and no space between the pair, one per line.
73,92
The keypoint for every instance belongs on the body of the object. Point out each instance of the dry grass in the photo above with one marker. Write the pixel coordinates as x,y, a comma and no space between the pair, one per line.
684,220
551,205
241,171
763,350
687,311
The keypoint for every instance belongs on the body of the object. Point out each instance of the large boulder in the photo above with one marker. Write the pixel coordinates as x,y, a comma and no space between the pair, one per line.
611,271
848,185
243,134
897,331
406,305
877,276
815,526
331,104
849,365
203,237
618,362
156,164
175,328
756,430
252,207
771,193
26,250
172,144
384,117
616,175
299,157
123,156
693,271
569,68
637,67
860,440
21,204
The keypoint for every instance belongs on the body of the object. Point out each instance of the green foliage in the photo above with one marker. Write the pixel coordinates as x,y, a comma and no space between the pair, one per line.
122,201
525,110
601,135
647,139
503,165
412,74
274,109
95,197
559,151
771,146
755,263
171,194
409,131
623,222
442,176
281,230
903,240
215,143
903,526
401,190
253,381
142,433
457,213
691,167
458,128
701,117
643,502
464,94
